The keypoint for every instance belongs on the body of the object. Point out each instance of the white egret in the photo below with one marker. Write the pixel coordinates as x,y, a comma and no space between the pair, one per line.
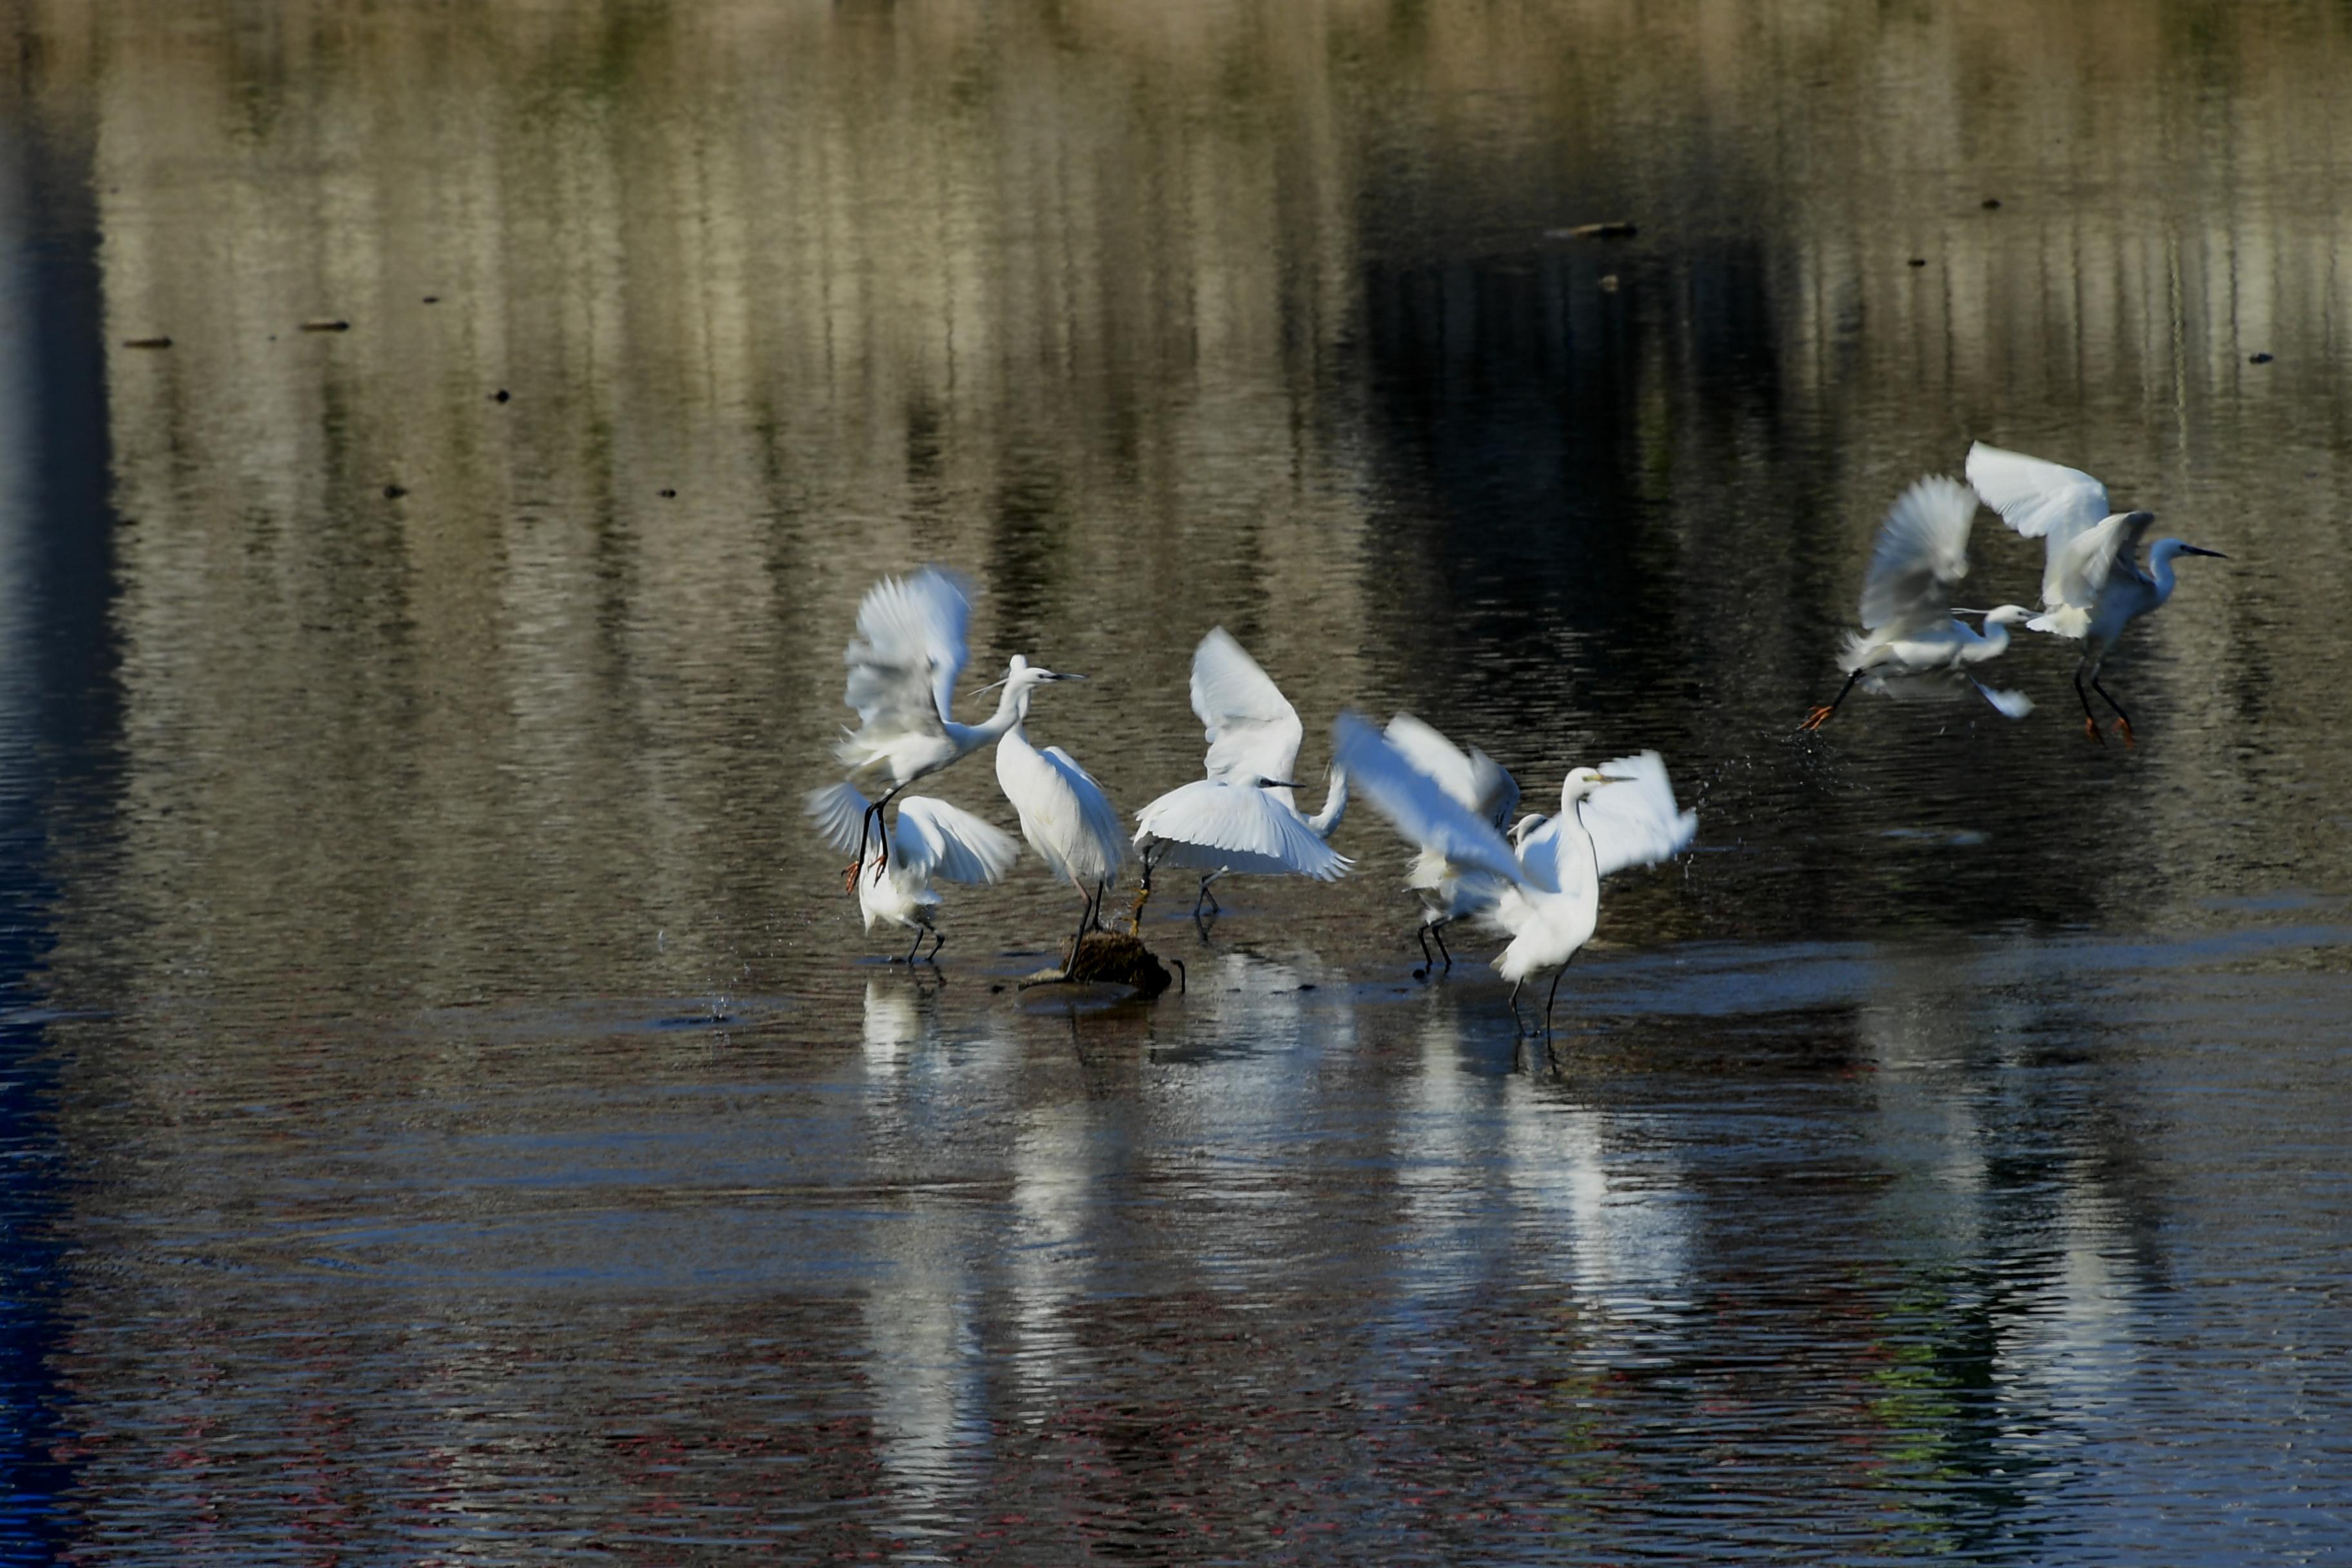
1065,814
1551,911
2092,587
1447,891
1550,897
903,665
1914,645
930,839
1242,817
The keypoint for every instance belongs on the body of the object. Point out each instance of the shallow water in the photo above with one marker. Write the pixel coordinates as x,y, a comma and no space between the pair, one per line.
448,1111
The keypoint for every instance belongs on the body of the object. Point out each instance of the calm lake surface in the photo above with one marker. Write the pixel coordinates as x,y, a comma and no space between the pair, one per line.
450,1113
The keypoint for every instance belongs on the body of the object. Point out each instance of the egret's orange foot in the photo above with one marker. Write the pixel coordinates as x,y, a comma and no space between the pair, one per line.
1817,718
2123,728
2090,728
849,877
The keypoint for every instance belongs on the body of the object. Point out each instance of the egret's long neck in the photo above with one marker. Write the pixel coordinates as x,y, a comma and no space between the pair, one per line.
2159,567
1335,806
1575,816
1011,709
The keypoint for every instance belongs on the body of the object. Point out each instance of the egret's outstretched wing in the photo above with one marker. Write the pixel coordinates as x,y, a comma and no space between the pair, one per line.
907,652
1252,730
2082,568
1240,828
1473,778
933,838
1416,804
1637,823
838,811
1921,554
2041,500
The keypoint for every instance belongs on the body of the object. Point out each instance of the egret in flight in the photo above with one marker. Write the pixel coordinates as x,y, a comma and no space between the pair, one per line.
2092,587
1449,891
903,665
1913,644
930,839
1065,814
1550,897
1242,816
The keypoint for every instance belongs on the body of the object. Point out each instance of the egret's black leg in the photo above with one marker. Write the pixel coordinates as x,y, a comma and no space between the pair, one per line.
932,957
1207,897
1551,997
1438,931
1427,963
2123,720
2090,719
1519,1024
912,951
1821,716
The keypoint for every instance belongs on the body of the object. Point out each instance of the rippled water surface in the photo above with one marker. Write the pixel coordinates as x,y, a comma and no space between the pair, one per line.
450,1111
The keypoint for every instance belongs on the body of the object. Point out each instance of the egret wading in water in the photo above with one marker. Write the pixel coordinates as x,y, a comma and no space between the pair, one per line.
1551,895
1242,817
1912,644
2092,587
903,665
1447,891
1619,814
930,839
1065,814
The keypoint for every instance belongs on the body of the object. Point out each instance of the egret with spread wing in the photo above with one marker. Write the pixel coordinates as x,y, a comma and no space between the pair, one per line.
1065,814
2092,586
903,665
1448,891
1550,897
1913,644
1619,815
930,839
1242,817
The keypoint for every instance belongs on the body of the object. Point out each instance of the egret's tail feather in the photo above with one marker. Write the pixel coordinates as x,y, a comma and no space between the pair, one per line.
2069,622
2009,705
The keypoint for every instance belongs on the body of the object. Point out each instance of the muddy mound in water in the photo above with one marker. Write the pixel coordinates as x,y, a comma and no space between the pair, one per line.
1109,958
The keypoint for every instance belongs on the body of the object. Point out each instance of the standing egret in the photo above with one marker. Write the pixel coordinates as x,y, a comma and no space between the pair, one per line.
2092,589
1065,814
903,665
1447,891
930,838
1550,897
1912,644
1242,816
1551,911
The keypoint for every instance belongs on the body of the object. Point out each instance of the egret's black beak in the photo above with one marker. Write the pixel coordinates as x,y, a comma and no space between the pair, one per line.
1276,784
1065,675
2201,550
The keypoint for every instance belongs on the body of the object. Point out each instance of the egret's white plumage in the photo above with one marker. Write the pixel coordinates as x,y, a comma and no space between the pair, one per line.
2092,585
930,840
1243,818
1551,909
1913,646
1065,814
903,665
1448,891
1549,882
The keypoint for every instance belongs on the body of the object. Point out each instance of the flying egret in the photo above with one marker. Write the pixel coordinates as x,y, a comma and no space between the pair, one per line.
1447,891
1551,895
1913,644
903,665
1242,817
1065,814
930,839
2092,589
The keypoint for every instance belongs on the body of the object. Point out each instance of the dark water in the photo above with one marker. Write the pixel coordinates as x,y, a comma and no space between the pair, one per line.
449,1113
